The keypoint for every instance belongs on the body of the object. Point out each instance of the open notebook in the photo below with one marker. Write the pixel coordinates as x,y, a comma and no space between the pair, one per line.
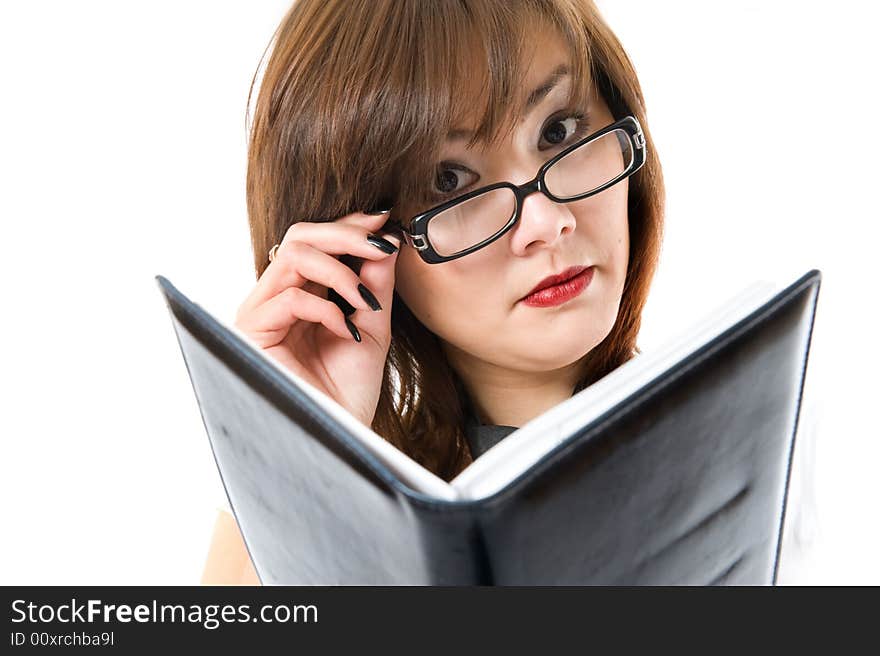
673,468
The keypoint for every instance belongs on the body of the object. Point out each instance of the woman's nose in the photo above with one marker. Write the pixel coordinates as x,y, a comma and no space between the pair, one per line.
541,221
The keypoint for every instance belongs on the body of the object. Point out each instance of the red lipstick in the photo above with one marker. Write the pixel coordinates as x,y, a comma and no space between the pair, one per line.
555,290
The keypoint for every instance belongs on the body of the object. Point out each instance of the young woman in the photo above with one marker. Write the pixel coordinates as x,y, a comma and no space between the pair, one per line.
509,145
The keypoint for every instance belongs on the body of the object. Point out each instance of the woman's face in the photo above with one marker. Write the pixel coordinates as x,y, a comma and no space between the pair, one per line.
473,303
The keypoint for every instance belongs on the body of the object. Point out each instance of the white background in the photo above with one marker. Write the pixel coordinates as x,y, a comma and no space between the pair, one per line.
122,156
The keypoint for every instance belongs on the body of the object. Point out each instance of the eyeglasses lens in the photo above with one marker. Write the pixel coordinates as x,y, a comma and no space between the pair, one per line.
583,170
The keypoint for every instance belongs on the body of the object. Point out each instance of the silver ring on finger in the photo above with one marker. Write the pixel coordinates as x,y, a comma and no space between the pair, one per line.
273,251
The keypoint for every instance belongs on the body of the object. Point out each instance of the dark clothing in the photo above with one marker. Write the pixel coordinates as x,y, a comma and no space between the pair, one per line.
483,436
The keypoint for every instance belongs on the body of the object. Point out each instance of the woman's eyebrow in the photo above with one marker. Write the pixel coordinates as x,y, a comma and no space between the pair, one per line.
538,94
533,99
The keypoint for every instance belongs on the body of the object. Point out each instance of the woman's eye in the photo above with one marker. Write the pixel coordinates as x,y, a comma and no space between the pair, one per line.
563,129
450,180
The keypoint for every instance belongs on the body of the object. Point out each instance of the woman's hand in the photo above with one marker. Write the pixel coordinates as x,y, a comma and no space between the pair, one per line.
288,314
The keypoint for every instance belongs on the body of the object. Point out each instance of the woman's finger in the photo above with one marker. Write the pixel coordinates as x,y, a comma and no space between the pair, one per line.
270,322
354,240
310,264
337,236
378,276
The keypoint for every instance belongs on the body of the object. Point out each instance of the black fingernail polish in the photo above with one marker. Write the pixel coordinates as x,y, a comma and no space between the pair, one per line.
346,307
367,295
382,244
383,206
352,329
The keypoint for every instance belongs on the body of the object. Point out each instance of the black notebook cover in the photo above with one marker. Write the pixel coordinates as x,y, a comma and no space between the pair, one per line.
683,483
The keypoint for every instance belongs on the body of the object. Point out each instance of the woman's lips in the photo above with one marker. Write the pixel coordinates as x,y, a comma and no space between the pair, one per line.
562,292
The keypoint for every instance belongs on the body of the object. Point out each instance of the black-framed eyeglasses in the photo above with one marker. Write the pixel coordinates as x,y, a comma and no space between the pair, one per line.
474,220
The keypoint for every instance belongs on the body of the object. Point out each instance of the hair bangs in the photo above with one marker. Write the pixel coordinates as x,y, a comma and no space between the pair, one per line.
469,76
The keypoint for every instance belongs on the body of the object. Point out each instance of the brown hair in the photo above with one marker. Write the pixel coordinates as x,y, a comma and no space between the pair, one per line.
355,101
